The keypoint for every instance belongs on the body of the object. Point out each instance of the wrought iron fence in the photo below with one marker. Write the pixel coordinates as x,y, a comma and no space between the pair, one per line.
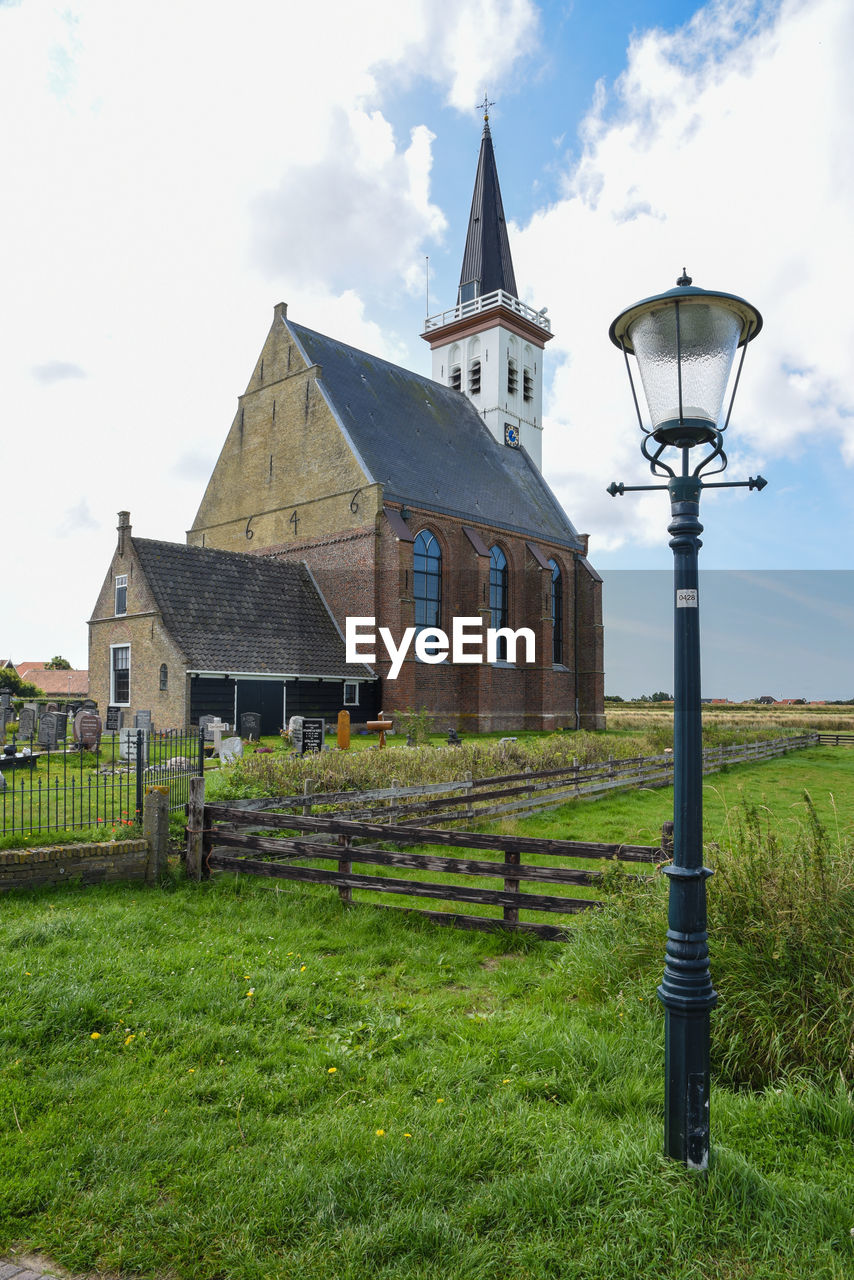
70,789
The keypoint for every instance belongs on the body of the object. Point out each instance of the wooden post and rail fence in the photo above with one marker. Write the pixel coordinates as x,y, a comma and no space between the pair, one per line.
249,837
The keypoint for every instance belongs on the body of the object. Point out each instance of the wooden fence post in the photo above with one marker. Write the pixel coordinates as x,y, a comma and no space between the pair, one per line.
667,839
307,788
195,828
511,914
345,866
155,828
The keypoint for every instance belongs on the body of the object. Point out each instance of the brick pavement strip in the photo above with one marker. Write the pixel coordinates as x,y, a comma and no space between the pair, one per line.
13,1271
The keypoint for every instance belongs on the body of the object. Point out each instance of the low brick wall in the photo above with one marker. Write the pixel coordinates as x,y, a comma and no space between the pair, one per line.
87,863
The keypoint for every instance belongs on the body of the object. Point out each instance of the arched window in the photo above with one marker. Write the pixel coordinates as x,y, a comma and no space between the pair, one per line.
164,676
557,612
498,596
427,580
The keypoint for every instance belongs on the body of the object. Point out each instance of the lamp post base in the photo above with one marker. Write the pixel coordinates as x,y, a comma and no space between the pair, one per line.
686,1088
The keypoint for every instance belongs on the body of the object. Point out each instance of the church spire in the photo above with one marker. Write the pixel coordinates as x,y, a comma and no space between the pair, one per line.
490,345
487,264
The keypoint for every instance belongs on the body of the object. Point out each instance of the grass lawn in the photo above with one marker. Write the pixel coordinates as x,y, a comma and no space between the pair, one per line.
238,1081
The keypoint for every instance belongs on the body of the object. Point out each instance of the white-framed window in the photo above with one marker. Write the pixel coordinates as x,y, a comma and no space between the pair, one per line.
120,675
351,693
121,594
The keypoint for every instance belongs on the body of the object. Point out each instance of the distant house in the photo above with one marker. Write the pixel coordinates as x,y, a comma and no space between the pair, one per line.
59,684
185,631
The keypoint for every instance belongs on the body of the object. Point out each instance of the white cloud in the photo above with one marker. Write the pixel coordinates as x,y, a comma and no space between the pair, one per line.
723,147
175,170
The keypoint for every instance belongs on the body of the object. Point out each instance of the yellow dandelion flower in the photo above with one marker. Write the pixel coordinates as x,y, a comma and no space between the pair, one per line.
302,968
96,1035
380,1133
250,992
407,1135
440,1099
506,1080
190,1070
332,1071
129,1038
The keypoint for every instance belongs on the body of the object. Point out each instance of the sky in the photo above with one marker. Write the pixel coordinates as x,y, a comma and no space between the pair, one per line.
173,170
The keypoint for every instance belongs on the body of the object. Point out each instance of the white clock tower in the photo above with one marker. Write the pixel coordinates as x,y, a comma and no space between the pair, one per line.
490,345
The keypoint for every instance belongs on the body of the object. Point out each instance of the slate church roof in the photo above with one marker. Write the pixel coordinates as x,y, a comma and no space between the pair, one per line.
428,446
235,613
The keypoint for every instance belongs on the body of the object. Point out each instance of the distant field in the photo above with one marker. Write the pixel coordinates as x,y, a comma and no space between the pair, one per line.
636,717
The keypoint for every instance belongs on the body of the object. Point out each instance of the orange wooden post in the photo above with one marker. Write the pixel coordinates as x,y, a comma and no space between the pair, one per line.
344,730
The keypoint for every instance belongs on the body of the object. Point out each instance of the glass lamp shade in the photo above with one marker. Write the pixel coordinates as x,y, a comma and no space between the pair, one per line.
685,342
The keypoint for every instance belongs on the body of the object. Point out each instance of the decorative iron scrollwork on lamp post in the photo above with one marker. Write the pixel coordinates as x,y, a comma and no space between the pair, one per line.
685,342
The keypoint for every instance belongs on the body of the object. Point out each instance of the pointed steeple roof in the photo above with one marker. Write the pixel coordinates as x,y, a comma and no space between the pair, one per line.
487,257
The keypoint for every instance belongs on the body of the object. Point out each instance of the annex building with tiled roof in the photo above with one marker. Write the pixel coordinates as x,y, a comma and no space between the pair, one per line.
184,631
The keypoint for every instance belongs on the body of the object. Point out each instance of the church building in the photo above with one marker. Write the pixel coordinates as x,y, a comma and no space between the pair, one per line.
415,501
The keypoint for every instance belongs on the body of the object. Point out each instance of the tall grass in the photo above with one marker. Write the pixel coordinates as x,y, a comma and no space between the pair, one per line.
281,773
782,912
781,929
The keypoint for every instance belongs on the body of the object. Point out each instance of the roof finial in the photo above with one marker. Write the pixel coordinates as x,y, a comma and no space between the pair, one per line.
684,279
484,106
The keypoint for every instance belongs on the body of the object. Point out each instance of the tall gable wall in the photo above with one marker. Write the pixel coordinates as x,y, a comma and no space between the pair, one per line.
286,471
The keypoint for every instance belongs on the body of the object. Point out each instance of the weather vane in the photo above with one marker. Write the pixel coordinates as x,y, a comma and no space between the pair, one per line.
484,106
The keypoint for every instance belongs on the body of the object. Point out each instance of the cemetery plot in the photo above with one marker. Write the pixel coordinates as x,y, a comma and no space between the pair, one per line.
104,787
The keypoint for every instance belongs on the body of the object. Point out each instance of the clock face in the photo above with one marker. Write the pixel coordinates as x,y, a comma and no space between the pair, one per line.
511,436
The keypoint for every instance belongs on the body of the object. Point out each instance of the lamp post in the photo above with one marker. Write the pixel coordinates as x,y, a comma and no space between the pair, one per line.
685,342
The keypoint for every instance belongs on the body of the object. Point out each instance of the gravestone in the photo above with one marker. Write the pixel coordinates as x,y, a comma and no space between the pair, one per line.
5,699
205,722
250,725
142,720
6,714
52,707
344,730
61,726
128,744
26,722
87,730
231,749
47,731
89,705
295,728
312,735
114,719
